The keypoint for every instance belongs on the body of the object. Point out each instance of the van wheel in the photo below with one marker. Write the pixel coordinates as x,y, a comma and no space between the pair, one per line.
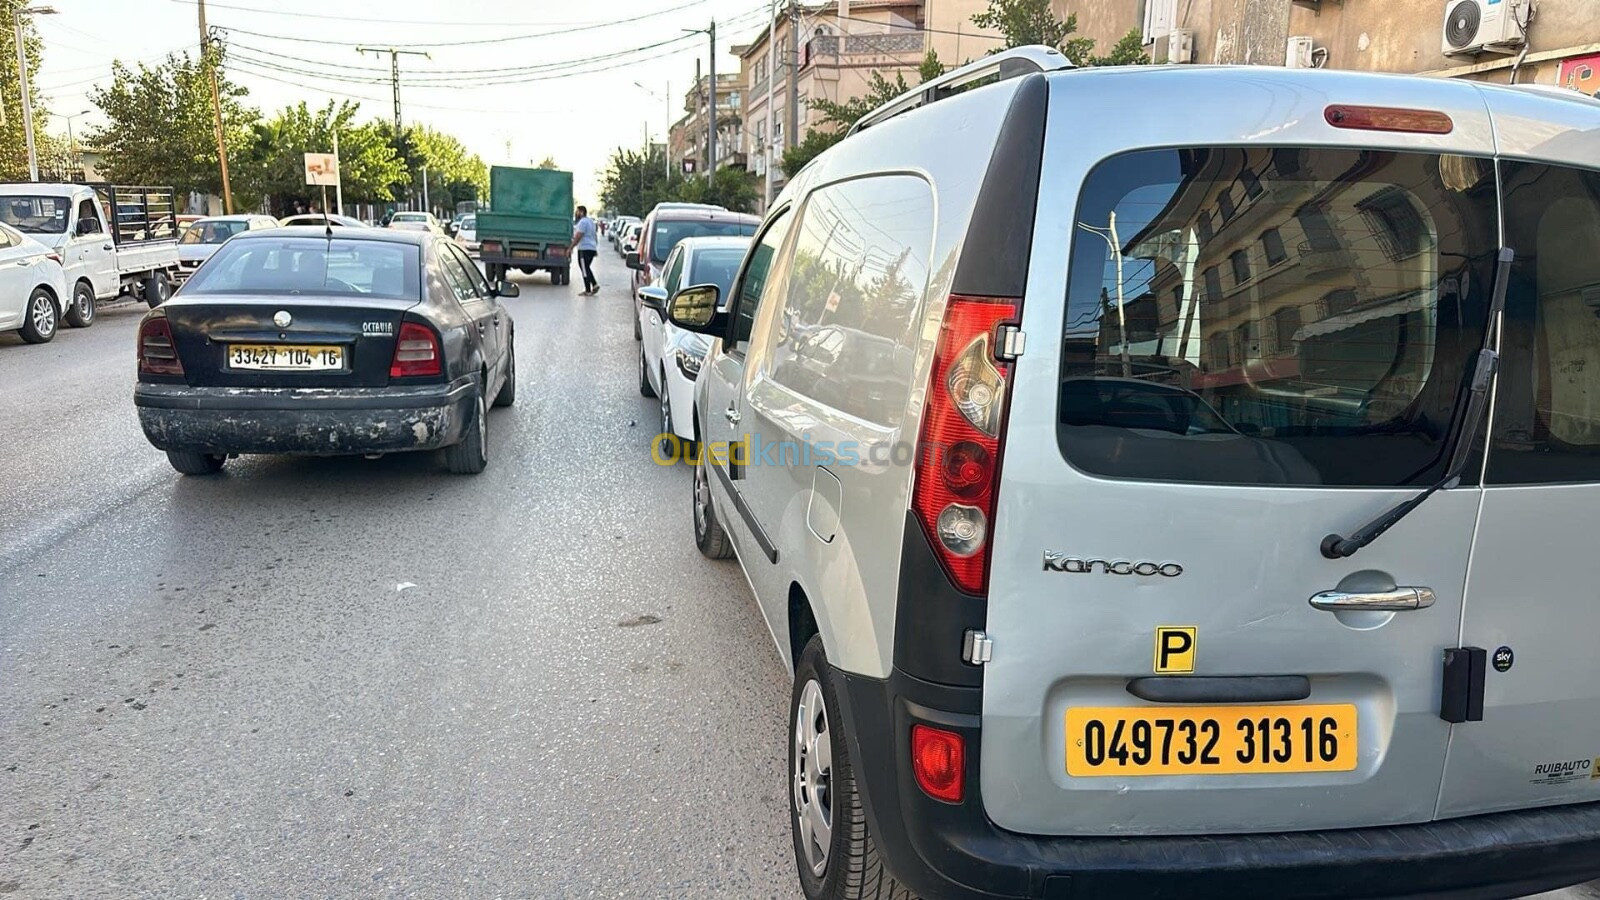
190,463
708,533
157,288
833,850
41,318
81,313
470,455
645,390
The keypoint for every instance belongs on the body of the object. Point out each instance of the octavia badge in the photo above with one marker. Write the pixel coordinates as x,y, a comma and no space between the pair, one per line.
282,319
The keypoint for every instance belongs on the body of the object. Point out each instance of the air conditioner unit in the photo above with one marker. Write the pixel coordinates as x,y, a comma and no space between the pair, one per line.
1478,26
1177,46
1298,52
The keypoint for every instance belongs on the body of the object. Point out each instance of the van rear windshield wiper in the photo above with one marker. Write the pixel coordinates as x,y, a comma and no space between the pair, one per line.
1458,439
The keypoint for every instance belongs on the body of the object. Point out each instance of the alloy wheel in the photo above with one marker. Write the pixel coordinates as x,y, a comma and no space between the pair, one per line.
813,777
667,442
43,315
702,498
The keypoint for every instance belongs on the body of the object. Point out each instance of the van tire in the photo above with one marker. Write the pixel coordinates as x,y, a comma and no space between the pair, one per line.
853,870
157,288
41,318
470,455
189,462
81,313
709,535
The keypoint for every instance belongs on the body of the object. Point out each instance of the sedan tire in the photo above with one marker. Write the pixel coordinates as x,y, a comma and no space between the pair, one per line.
190,463
471,455
709,537
41,318
645,390
508,391
81,313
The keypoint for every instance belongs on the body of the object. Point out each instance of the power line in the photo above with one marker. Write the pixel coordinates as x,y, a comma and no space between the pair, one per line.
970,34
437,22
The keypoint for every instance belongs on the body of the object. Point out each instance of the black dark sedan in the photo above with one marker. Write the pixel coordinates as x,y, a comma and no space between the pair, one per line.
288,340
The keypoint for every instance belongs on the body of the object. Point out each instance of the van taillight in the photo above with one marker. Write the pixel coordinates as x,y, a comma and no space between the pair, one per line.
958,450
158,355
416,352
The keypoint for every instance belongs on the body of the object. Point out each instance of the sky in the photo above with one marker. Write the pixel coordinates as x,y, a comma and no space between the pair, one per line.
515,80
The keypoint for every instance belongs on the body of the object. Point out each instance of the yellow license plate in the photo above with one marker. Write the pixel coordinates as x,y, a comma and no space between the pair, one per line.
286,357
525,254
1210,740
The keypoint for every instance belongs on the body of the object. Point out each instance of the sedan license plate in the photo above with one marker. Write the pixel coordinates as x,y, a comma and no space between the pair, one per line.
286,357
1210,740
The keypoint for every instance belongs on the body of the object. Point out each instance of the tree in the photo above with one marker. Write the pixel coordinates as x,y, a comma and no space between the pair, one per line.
453,173
1025,22
634,182
838,116
549,162
53,155
272,163
160,127
1127,51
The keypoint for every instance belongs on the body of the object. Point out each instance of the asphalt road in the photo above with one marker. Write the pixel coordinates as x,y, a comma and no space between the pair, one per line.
370,678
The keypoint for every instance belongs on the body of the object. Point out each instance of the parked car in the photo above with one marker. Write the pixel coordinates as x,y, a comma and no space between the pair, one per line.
321,220
113,240
185,221
618,230
204,236
33,289
404,341
1102,576
416,221
670,357
630,239
467,234
670,223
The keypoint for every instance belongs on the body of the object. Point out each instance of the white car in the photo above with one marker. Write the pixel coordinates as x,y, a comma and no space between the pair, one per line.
630,239
1130,505
669,356
33,289
416,221
202,238
467,234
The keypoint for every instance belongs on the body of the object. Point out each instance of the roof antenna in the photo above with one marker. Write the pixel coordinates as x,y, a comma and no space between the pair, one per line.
327,223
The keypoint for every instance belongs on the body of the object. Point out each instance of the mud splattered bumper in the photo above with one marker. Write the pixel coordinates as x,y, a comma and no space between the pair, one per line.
317,421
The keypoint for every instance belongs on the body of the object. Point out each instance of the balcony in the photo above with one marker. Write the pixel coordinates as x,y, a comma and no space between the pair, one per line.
894,43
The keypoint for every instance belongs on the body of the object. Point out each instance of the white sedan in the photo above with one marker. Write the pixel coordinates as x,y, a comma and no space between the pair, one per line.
467,234
669,357
33,289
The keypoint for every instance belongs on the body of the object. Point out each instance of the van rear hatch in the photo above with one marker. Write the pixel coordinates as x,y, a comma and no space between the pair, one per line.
1264,340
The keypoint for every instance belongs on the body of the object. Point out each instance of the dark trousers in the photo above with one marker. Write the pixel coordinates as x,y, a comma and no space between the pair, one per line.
586,263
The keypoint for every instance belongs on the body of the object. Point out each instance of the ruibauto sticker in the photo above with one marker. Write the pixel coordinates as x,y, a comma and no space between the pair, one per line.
1566,771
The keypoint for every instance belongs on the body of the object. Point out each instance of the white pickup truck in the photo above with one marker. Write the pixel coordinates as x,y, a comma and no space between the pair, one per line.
113,240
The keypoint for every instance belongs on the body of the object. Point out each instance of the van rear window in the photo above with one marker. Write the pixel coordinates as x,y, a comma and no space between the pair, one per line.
1274,315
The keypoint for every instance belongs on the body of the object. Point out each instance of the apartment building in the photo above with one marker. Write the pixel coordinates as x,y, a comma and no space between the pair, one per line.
830,52
1540,41
687,142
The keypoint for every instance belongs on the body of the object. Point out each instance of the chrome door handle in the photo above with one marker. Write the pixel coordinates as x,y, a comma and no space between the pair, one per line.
732,415
1398,600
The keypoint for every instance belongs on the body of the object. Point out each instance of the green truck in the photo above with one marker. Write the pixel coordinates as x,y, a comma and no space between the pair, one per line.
529,225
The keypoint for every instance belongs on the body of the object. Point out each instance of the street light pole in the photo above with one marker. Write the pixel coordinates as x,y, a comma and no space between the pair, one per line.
1109,235
22,80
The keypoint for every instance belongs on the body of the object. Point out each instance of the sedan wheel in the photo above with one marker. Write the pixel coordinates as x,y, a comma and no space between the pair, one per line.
671,444
708,534
471,454
41,318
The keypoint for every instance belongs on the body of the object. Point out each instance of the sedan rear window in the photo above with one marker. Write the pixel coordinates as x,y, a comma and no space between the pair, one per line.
311,266
211,232
1274,315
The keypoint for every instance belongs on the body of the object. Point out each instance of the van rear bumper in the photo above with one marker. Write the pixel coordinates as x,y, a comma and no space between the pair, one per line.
947,851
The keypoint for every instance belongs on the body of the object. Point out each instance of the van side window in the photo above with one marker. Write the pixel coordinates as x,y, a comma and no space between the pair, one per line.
754,289
1338,362
89,212
846,335
1547,402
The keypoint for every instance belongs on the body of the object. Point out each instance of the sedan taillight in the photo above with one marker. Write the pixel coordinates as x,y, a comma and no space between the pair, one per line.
416,352
158,355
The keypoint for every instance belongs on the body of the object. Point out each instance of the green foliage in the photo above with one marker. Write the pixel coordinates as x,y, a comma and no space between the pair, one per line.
1026,22
930,68
837,117
795,156
549,162
160,127
13,145
272,163
454,174
634,182
1127,51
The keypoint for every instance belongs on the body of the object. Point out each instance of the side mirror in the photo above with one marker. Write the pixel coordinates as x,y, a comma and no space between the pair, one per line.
633,260
653,297
695,309
506,289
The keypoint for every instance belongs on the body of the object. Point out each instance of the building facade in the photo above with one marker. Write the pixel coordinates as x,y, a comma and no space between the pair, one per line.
687,142
830,52
1542,41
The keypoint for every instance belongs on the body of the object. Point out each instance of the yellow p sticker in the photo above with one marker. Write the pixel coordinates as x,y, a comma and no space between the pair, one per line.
1175,649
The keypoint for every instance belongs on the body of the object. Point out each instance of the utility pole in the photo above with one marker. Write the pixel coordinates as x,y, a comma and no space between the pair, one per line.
425,205
27,99
711,153
771,141
666,137
394,74
338,186
793,64
210,62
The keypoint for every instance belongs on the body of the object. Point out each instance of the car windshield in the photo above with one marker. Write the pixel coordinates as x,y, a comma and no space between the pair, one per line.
470,222
34,214
1274,316
669,232
311,266
716,266
411,217
211,232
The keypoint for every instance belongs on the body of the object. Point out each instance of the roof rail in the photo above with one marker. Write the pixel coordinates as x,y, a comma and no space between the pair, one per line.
1006,64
